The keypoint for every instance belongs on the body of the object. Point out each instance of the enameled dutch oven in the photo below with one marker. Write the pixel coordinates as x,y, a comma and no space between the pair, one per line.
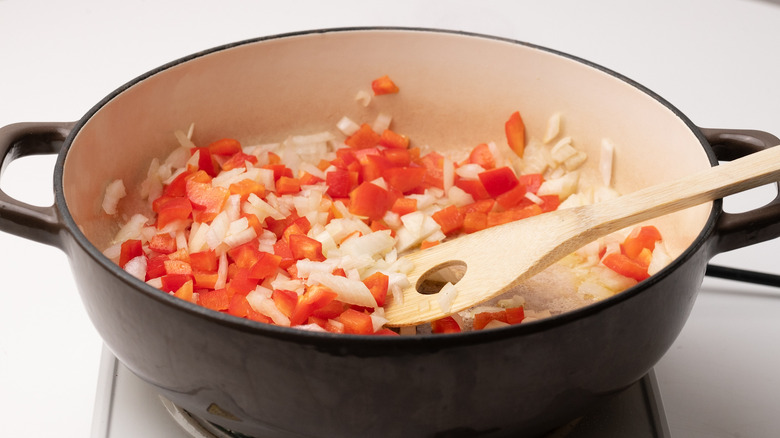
456,91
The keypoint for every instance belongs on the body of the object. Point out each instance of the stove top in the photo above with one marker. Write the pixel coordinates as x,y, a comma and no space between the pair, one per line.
126,406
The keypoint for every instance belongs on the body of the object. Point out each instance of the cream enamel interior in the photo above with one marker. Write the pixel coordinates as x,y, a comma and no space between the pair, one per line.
456,92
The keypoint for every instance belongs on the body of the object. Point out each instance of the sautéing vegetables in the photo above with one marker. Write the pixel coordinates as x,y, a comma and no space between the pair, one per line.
265,233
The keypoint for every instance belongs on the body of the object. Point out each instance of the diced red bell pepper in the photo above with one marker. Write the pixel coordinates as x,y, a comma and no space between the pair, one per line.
282,249
450,219
266,265
502,217
515,133
241,283
483,156
404,179
384,331
205,160
304,247
363,138
445,325
499,180
369,200
205,198
279,170
512,197
205,279
377,284
172,282
330,310
550,203
129,250
625,266
640,238
204,260
173,209
482,206
178,267
397,157
373,166
239,306
225,147
384,85
483,318
356,322
474,221
155,267
433,163
218,299
402,206
531,181
390,139
239,159
162,243
515,315
315,298
474,188
185,291
339,183
177,187
425,244
300,225
286,185
285,301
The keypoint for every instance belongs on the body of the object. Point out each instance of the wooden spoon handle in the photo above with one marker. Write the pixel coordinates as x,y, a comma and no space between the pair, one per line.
736,176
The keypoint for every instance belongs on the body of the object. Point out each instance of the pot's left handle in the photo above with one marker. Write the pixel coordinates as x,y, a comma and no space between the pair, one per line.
41,224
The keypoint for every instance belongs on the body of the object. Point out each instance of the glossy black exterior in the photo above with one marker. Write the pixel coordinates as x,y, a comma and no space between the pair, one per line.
268,381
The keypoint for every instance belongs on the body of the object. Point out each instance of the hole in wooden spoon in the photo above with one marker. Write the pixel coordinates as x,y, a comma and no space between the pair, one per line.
435,278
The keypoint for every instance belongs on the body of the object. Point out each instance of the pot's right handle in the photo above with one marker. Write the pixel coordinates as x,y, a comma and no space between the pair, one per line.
41,224
736,230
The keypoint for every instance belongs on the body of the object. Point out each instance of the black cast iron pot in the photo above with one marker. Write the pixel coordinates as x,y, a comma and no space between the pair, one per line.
457,89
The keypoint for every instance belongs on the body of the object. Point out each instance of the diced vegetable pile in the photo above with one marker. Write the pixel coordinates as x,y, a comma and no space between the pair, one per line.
308,232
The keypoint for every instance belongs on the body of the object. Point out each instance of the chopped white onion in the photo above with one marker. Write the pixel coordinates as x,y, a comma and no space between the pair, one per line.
605,161
259,301
375,244
448,173
115,191
469,171
381,123
310,328
184,140
137,267
363,97
347,126
459,197
131,229
349,291
446,296
553,127
563,186
256,206
222,272
378,321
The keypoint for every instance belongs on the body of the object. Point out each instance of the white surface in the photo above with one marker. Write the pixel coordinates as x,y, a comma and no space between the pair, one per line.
716,60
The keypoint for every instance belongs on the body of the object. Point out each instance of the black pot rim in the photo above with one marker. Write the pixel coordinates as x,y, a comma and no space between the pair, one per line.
344,340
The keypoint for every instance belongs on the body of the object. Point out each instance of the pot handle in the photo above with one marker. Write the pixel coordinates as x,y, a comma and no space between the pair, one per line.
736,230
41,224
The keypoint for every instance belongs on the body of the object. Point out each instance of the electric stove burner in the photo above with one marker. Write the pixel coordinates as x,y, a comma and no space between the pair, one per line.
126,406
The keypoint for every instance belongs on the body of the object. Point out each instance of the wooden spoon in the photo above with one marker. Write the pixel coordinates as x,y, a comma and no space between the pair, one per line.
498,258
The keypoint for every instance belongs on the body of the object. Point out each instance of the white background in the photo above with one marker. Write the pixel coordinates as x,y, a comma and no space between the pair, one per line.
716,60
